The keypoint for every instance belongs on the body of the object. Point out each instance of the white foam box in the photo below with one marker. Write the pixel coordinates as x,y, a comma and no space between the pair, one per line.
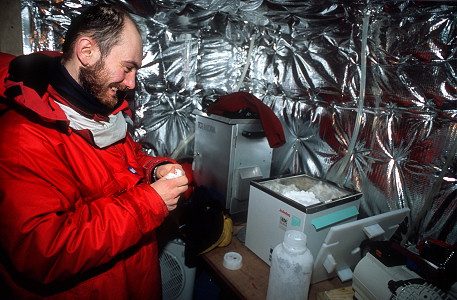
271,214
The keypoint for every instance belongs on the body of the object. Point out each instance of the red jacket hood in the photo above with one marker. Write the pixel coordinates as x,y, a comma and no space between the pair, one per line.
29,97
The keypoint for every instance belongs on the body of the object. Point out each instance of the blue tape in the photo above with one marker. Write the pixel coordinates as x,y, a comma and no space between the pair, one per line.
335,217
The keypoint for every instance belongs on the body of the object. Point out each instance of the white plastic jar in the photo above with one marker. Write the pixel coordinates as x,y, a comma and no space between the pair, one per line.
291,268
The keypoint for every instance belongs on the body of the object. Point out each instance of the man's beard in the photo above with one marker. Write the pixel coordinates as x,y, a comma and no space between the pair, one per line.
94,80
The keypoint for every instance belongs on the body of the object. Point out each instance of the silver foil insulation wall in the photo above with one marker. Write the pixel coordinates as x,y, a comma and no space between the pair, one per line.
366,90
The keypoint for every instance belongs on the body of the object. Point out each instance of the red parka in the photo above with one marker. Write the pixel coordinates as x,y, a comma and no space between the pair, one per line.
76,221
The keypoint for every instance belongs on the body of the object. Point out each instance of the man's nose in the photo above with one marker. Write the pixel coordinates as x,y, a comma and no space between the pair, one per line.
129,80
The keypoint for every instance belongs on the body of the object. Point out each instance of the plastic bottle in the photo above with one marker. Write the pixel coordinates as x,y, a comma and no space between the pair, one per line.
291,268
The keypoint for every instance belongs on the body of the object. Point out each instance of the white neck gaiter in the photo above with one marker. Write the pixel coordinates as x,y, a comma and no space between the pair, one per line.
104,133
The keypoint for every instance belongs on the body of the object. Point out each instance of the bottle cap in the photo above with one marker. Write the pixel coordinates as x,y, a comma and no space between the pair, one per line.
295,240
233,260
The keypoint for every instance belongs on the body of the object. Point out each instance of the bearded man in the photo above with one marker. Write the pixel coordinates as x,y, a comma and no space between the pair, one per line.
79,200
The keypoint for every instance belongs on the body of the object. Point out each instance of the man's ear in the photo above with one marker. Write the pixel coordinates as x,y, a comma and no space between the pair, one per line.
87,51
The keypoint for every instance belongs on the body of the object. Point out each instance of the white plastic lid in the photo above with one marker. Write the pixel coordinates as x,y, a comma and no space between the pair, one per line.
233,260
295,240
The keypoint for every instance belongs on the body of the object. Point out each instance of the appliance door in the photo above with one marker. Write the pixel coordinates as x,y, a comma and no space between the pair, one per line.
213,148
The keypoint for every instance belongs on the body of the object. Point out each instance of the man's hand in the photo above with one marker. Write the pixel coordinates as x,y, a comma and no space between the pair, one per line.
170,189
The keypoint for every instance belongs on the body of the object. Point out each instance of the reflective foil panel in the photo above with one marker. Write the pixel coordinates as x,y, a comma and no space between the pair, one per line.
366,90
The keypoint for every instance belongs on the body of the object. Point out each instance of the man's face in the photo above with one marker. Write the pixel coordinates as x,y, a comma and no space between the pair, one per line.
111,76
95,80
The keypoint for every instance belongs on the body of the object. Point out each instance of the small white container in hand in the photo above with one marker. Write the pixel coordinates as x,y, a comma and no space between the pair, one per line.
176,174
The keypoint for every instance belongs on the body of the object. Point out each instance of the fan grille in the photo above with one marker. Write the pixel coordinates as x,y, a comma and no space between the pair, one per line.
414,291
172,276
